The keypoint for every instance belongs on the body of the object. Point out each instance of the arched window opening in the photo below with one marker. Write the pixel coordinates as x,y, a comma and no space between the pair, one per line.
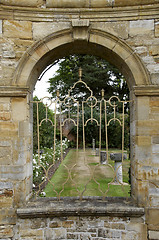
81,132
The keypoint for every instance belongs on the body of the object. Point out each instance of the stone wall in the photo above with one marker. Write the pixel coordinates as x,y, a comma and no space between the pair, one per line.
32,35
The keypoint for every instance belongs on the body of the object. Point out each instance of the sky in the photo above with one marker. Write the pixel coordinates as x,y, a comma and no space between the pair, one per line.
42,85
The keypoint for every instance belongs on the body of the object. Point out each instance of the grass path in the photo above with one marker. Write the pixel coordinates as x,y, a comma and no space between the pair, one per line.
81,174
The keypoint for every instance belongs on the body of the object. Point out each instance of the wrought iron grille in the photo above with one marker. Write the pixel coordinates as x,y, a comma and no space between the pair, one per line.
86,167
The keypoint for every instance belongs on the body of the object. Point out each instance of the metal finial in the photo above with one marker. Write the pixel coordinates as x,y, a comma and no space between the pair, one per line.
58,93
102,91
80,73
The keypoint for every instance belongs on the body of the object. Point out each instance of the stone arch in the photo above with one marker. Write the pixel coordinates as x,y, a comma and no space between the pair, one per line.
80,40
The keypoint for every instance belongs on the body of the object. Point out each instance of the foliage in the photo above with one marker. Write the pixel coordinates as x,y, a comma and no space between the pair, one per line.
46,159
114,131
46,129
97,73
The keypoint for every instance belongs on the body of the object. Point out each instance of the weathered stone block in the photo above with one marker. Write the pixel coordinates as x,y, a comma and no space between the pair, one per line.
5,155
155,158
67,3
8,66
129,236
6,202
17,29
148,60
149,127
68,224
143,140
4,106
153,200
23,3
6,185
5,116
60,233
18,106
117,226
153,68
24,130
37,223
12,176
141,27
20,46
142,51
157,29
119,29
6,231
8,50
31,233
155,140
48,28
49,233
152,218
143,108
154,104
11,216
0,28
153,235
155,148
153,50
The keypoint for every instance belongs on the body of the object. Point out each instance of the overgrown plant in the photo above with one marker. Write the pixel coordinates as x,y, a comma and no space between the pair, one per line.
45,160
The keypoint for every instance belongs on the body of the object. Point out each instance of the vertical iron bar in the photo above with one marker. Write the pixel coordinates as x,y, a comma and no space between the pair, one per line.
54,134
100,127
37,109
123,133
61,135
83,127
77,124
106,129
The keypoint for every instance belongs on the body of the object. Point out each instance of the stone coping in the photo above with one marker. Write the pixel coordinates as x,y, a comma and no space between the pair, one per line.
13,91
90,206
75,3
38,14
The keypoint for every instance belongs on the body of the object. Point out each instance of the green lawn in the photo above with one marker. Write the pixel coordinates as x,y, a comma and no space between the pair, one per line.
83,175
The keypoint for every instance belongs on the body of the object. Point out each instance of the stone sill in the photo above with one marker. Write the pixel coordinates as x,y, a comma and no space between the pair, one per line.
90,206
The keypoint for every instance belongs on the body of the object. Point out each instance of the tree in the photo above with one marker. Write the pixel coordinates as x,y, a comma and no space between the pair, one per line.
46,129
98,74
